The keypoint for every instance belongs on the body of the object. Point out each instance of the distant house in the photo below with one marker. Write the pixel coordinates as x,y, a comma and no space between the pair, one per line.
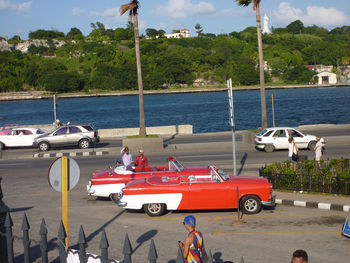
327,78
182,33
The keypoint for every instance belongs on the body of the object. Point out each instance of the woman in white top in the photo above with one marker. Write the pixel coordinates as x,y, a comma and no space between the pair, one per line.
318,151
292,148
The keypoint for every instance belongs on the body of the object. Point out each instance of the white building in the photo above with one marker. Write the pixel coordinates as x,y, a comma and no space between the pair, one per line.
326,78
182,33
266,25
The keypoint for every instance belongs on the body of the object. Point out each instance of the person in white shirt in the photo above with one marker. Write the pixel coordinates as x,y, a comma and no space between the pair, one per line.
127,158
318,151
292,148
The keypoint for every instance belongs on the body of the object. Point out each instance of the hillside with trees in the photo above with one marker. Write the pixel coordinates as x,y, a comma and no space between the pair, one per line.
105,59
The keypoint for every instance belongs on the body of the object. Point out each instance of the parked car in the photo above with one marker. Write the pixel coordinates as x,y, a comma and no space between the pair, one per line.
271,139
19,137
110,182
81,135
210,190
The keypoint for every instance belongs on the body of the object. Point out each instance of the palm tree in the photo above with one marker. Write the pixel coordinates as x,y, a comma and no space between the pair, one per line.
133,7
256,8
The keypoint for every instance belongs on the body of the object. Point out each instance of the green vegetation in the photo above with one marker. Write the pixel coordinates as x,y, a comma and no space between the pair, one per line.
105,59
332,177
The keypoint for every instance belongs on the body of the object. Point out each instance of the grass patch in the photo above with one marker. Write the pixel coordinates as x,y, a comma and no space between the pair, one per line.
255,130
138,136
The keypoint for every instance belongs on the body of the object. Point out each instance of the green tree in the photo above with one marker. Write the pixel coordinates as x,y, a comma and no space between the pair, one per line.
132,7
74,34
199,29
46,34
296,27
256,8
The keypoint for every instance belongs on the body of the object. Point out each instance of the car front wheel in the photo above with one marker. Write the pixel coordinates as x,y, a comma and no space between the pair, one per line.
269,148
250,204
311,145
84,144
155,209
44,146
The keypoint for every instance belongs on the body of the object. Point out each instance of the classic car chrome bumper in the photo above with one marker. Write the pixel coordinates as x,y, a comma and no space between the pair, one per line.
122,204
271,202
89,190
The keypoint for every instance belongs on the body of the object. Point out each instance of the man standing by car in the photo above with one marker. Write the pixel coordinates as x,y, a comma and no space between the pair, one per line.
127,158
318,151
141,160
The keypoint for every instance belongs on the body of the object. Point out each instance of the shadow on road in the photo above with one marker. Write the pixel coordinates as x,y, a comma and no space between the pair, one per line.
144,237
244,158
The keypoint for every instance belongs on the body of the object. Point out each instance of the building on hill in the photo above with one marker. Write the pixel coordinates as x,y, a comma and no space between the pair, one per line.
182,33
266,25
326,77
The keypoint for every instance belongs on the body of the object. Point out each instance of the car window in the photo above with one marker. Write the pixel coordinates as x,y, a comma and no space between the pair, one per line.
27,132
61,131
87,127
280,133
268,134
262,132
39,131
73,129
294,133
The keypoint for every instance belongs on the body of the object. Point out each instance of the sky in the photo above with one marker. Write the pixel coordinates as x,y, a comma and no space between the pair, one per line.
20,17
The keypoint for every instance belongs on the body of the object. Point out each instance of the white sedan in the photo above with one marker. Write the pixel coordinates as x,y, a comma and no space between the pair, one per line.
271,139
20,137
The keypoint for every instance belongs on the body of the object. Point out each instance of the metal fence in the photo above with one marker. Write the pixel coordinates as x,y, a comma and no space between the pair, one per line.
152,256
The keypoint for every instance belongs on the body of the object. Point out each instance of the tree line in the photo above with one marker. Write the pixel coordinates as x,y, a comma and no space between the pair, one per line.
105,59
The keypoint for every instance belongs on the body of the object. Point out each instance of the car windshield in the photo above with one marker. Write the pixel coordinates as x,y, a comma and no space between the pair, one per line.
174,165
262,132
39,131
221,173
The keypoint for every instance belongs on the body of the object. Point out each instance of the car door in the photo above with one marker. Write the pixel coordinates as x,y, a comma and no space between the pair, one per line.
211,194
299,138
74,135
280,139
59,137
25,138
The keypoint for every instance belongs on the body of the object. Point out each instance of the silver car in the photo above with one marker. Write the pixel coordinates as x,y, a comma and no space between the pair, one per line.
82,135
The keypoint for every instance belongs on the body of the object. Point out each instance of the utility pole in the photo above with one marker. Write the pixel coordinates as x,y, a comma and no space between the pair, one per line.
232,123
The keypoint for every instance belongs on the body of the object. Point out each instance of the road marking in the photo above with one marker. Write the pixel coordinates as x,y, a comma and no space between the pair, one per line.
324,206
276,233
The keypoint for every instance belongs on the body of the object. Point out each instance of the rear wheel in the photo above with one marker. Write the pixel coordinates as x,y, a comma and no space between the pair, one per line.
250,204
114,198
311,145
269,148
44,146
155,209
2,146
84,143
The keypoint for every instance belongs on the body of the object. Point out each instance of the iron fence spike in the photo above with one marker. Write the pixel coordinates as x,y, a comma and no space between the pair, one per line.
43,229
82,238
210,257
152,254
180,257
104,242
25,224
8,220
61,231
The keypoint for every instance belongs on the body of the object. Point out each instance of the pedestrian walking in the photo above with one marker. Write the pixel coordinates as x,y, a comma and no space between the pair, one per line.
318,151
300,256
127,158
292,152
193,248
141,160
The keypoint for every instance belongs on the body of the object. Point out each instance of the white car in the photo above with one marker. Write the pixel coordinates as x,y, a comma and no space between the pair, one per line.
271,139
20,137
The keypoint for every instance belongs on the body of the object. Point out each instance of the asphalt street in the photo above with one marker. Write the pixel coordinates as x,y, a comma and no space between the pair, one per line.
270,236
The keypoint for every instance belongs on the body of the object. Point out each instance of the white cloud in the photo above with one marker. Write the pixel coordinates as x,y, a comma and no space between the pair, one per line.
318,15
18,8
78,11
185,8
113,13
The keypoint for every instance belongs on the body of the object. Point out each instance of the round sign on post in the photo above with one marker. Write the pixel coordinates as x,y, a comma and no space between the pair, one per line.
55,174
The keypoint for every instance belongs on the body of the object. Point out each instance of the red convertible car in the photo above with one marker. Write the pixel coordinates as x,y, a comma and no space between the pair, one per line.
208,190
110,182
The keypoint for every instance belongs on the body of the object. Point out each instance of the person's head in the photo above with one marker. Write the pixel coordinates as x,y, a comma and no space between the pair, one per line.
118,162
126,149
141,152
300,256
318,138
290,139
189,222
